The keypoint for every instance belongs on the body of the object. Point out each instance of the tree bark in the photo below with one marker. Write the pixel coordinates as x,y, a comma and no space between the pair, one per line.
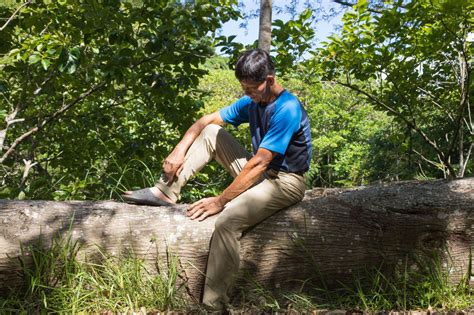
265,28
332,233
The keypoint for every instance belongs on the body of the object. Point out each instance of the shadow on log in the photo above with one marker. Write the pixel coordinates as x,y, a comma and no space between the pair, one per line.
332,232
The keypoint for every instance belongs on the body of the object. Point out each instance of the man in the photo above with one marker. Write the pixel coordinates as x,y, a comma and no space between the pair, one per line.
264,183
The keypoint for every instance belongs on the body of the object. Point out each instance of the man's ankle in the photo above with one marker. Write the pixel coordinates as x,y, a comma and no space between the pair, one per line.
159,194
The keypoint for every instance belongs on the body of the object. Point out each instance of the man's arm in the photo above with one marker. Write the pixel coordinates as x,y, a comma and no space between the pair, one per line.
250,174
172,165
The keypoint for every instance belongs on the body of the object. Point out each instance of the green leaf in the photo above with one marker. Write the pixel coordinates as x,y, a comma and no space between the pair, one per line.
51,51
33,59
21,195
278,23
75,53
14,51
46,63
72,68
5,192
306,14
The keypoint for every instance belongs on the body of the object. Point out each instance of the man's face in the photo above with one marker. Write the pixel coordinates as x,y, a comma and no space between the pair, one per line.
257,91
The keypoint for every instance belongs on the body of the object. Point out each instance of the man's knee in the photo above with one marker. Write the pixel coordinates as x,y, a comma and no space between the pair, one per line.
211,131
224,223
221,224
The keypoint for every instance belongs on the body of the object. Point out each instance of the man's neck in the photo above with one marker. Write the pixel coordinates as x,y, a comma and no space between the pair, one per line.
275,91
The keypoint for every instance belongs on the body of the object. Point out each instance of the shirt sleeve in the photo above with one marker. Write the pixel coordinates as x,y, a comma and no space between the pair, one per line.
237,113
283,125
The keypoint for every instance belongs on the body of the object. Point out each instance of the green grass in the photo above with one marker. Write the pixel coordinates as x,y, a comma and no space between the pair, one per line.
56,281
419,283
424,285
422,282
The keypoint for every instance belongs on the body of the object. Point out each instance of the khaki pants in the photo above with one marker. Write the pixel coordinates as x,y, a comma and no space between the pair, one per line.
274,191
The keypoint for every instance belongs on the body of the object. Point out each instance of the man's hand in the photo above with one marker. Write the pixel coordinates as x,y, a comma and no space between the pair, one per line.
204,208
172,167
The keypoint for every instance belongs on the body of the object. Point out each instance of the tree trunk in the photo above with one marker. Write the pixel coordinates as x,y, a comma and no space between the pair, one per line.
265,28
335,233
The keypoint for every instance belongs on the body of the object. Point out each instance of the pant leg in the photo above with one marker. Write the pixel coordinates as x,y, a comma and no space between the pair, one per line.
213,143
248,209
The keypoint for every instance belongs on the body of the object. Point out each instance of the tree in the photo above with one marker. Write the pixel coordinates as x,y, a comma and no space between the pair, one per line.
412,60
326,240
265,27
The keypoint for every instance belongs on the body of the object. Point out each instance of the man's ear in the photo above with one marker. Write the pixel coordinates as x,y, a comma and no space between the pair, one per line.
270,79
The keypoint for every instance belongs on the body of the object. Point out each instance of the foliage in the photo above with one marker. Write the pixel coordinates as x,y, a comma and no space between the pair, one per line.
343,129
55,281
217,62
233,49
87,86
411,60
291,40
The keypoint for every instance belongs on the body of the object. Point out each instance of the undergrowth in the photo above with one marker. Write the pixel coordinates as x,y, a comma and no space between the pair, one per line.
56,281
422,284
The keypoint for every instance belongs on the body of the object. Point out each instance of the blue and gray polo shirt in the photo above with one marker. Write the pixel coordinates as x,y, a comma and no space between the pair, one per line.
281,127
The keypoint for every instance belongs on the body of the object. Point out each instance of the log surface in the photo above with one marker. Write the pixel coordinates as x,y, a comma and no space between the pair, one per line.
332,232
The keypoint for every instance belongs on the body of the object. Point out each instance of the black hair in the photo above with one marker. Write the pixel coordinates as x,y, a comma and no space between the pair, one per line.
254,65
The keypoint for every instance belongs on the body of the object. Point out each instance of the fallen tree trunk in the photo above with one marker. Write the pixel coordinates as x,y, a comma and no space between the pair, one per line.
332,233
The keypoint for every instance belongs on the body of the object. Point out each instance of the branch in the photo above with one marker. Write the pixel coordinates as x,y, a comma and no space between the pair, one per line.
50,119
463,167
465,74
45,81
14,14
436,164
10,119
421,169
469,123
453,33
28,166
433,100
11,122
344,3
